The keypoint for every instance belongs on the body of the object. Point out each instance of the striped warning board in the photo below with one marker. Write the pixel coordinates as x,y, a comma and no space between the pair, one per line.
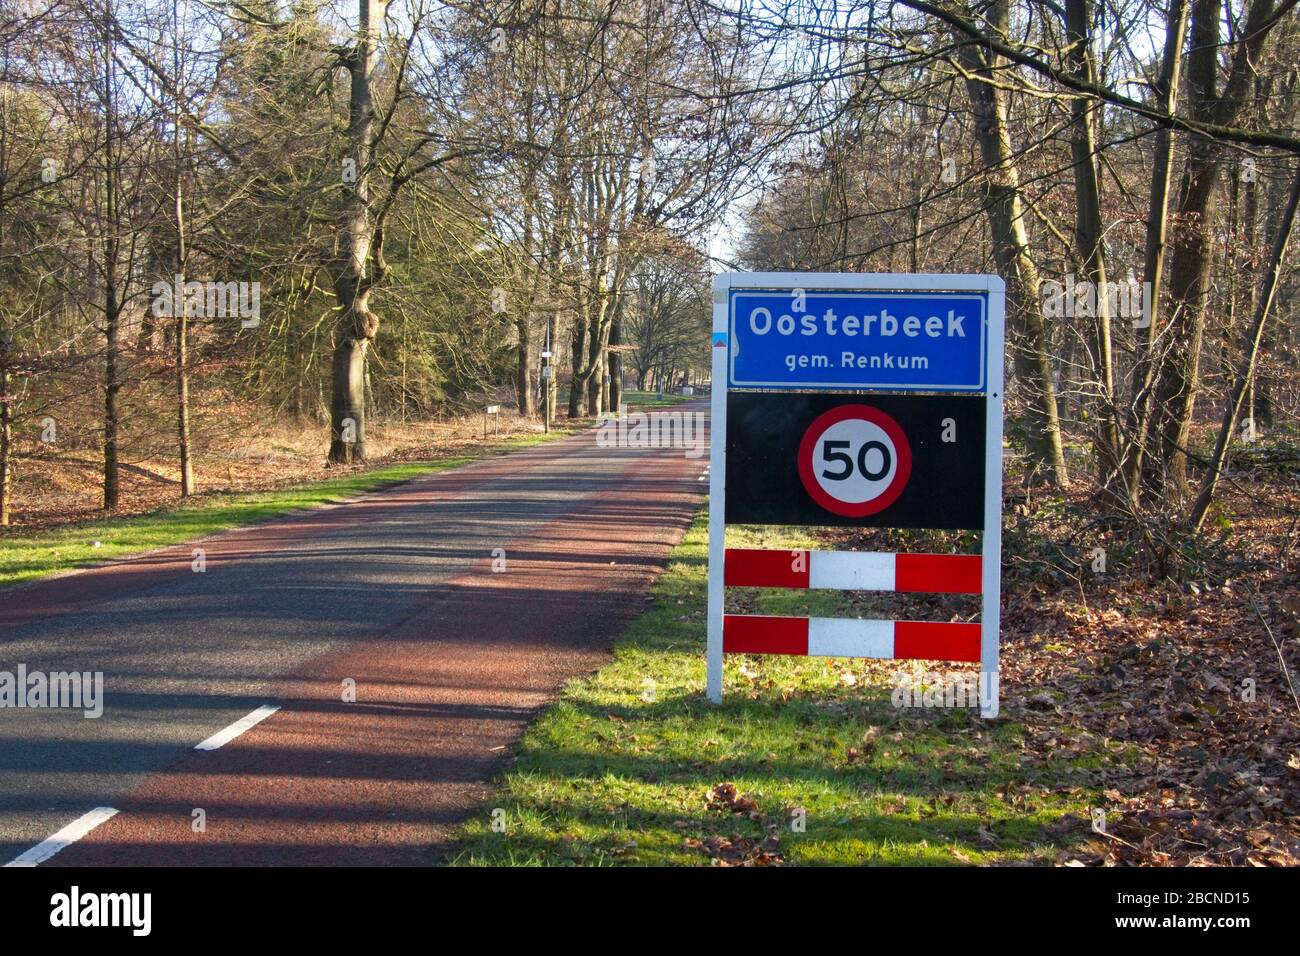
845,400
853,571
841,637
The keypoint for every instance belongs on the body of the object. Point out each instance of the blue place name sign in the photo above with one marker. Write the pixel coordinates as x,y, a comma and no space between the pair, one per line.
795,338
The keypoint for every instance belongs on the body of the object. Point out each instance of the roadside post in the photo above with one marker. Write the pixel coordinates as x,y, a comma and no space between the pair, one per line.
548,383
495,412
549,308
857,400
546,392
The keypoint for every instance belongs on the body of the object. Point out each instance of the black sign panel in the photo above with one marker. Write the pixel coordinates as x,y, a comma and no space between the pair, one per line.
852,460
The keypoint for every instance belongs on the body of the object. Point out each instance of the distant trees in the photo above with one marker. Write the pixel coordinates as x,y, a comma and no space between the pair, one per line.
668,320
615,141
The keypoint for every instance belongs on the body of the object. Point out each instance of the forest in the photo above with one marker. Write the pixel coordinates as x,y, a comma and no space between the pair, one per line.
220,219
423,199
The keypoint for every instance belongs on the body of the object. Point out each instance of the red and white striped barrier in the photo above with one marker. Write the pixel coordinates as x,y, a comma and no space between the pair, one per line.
841,637
853,571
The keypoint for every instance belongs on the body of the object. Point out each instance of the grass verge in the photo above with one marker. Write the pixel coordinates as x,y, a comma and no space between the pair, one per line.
25,557
655,400
806,762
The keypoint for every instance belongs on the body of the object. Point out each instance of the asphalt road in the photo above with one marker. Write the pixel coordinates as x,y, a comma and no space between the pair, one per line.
393,594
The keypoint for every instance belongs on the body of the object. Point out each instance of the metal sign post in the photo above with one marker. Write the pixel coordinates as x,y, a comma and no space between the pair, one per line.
857,400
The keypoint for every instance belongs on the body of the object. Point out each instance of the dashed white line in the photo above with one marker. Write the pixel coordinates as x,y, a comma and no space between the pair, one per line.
79,827
69,835
223,737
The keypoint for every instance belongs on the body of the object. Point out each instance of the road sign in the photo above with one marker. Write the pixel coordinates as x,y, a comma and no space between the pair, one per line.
857,339
854,460
818,420
788,464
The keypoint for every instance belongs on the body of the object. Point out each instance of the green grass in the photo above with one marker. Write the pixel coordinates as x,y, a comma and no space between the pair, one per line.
655,400
24,557
640,399
618,771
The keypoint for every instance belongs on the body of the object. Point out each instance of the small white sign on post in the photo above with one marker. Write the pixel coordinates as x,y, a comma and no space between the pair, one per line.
495,411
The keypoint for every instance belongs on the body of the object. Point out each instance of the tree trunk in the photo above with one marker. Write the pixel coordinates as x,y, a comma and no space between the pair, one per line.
1030,347
112,310
1233,410
348,401
182,320
112,385
1189,264
6,416
1189,287
524,377
577,384
361,243
596,388
1144,370
183,405
6,337
182,353
1089,242
616,363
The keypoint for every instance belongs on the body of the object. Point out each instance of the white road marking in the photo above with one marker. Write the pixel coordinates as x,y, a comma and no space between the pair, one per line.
79,827
69,835
223,737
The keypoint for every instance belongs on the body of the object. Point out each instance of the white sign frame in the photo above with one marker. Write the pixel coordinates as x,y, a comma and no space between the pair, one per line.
991,543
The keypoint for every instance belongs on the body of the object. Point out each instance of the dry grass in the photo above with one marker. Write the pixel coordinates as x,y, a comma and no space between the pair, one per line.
238,450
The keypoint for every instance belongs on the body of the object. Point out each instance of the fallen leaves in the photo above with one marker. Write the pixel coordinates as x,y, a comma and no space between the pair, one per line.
737,849
1176,699
725,797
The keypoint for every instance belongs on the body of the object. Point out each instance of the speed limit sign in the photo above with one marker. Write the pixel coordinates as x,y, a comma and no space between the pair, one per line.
857,401
849,460
854,460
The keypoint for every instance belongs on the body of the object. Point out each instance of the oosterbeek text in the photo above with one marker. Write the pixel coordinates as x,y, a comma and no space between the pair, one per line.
884,324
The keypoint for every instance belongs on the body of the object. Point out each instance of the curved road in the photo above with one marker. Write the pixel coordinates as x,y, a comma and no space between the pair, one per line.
394,594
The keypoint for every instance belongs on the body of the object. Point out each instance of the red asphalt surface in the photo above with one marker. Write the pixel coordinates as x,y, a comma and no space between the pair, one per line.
442,697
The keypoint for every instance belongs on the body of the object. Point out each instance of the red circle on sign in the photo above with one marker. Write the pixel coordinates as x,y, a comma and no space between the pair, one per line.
808,447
